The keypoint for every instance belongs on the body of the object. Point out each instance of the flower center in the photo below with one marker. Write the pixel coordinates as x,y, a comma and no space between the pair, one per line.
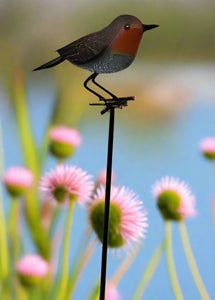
209,154
60,193
168,203
97,214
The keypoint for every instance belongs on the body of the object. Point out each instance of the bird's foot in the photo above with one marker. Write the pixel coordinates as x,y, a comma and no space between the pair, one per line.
113,103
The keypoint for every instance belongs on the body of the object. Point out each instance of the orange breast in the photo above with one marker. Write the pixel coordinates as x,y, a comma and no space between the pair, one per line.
127,41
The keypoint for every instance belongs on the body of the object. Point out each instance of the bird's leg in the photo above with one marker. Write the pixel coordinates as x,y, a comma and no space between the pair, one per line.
114,102
101,87
91,77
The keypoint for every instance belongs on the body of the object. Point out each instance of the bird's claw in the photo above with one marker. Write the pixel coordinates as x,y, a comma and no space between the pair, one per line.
113,103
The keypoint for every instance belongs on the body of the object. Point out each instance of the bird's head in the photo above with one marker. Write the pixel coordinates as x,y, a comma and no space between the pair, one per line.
129,31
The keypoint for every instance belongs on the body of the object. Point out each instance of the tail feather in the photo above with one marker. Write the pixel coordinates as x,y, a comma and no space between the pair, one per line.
51,63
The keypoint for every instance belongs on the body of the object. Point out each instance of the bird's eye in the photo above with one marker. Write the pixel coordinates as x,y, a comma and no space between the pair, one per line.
127,26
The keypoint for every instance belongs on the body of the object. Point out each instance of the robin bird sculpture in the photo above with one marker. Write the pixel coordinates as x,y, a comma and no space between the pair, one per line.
109,50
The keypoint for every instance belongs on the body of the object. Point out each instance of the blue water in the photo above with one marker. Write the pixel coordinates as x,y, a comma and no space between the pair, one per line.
142,154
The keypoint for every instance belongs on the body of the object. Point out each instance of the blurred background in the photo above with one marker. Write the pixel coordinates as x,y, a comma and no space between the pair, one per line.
173,79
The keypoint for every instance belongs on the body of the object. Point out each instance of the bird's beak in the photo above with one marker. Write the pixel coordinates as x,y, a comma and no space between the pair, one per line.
149,27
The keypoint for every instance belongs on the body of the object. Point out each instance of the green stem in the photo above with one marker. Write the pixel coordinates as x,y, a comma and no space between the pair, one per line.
124,266
44,148
54,219
170,262
61,293
4,262
78,268
4,269
13,227
191,262
60,161
149,272
19,291
34,293
94,294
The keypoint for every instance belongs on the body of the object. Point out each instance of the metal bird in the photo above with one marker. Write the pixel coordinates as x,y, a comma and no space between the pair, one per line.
109,50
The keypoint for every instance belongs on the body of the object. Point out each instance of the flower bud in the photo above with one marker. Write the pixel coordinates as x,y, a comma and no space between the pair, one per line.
17,180
174,199
64,141
31,269
207,147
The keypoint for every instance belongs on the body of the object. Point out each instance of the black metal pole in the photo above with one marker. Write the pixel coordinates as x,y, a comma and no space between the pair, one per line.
107,204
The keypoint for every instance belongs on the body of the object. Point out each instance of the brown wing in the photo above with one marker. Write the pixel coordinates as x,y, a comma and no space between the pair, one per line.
85,48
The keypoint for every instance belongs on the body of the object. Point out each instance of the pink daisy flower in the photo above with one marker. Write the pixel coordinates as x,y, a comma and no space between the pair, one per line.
31,268
17,180
127,219
111,292
64,140
207,147
174,198
65,183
